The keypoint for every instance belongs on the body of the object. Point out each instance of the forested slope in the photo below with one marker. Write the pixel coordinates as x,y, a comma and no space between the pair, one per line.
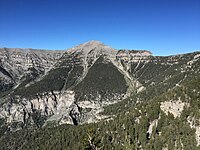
144,126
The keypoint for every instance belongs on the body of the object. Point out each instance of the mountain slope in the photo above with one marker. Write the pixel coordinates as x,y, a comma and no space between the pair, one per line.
102,80
21,66
89,74
126,91
147,125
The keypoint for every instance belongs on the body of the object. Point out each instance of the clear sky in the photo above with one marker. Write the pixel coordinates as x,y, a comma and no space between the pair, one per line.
162,26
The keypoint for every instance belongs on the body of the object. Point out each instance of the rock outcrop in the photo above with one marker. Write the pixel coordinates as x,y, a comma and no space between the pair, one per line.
173,107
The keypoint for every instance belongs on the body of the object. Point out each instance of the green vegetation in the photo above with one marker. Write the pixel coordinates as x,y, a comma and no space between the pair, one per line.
75,74
128,130
34,74
103,78
53,81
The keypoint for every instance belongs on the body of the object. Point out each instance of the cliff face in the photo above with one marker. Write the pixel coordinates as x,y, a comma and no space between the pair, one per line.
73,87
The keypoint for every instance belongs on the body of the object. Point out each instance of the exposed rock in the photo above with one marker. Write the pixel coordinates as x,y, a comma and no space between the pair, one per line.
48,104
192,124
173,107
165,148
133,55
196,58
153,124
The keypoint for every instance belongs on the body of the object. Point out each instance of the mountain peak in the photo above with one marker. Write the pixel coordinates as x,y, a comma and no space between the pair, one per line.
96,46
94,42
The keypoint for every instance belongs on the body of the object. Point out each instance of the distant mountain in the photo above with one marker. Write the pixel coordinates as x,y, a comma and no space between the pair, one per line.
91,83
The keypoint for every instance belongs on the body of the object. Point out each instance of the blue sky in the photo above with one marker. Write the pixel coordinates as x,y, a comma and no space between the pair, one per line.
162,26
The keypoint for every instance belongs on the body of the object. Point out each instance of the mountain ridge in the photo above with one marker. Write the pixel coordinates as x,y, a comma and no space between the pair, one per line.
77,61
